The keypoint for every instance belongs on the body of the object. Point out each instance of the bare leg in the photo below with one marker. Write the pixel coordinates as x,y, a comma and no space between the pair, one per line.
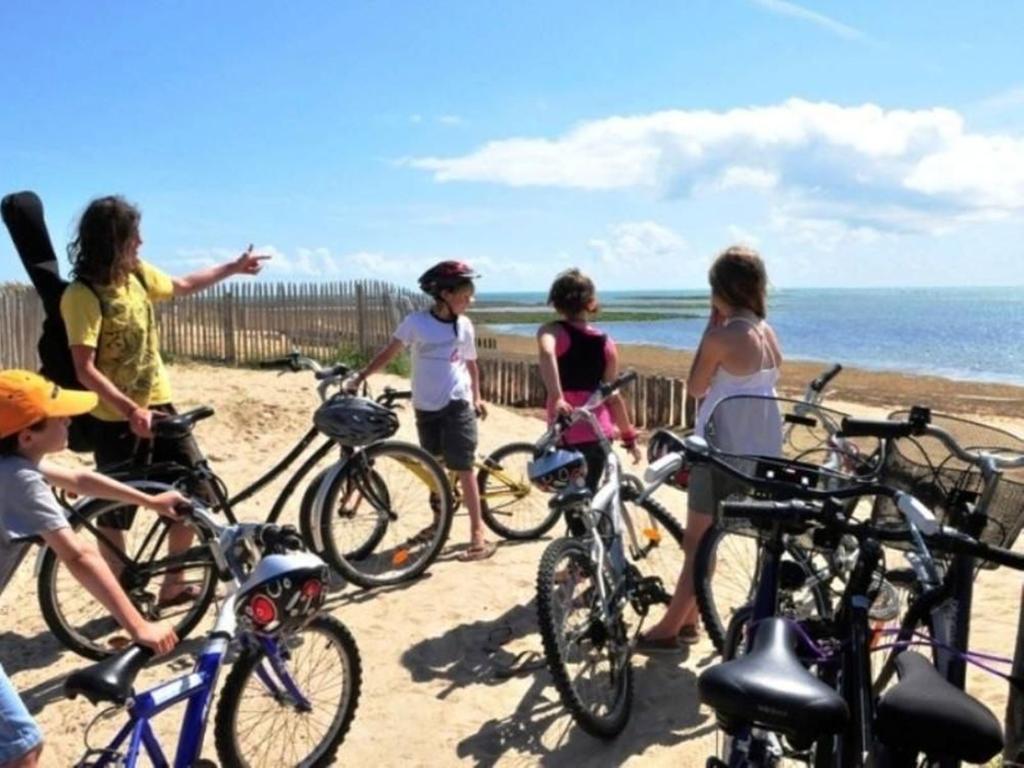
116,538
682,609
471,498
28,760
179,539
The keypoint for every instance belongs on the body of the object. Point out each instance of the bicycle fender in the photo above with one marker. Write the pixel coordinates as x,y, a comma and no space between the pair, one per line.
318,504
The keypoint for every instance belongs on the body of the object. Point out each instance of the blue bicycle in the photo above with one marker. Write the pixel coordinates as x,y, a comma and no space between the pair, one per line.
291,695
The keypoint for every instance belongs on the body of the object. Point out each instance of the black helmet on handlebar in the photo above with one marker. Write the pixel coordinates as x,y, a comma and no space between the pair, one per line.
355,421
446,275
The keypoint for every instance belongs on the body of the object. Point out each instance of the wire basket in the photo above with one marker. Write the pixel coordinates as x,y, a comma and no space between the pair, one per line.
924,467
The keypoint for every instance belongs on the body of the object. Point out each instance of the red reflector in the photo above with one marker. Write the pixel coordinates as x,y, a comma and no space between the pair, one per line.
263,610
311,589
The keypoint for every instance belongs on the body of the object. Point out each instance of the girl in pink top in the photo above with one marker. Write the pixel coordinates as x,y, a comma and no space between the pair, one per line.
575,358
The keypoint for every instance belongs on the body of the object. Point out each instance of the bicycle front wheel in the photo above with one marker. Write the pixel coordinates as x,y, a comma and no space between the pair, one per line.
136,544
588,659
510,505
727,569
395,495
294,706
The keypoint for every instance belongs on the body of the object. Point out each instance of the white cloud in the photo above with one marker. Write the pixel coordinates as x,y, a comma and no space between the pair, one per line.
637,245
783,8
915,168
450,120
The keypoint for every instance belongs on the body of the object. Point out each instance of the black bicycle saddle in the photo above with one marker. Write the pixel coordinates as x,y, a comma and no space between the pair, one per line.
111,679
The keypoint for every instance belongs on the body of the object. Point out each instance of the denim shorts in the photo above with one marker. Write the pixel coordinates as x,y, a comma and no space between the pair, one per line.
19,733
449,434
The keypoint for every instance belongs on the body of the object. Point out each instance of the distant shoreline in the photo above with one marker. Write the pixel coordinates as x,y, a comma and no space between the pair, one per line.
884,389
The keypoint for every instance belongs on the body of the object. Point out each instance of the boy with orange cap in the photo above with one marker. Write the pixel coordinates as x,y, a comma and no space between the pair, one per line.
34,417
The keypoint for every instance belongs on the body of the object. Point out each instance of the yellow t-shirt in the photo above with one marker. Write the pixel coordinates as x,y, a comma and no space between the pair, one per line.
124,335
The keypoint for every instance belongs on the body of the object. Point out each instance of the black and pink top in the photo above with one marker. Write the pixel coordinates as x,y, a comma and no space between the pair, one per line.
582,353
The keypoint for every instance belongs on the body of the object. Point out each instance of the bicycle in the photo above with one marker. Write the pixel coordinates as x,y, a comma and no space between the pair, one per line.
585,582
509,504
273,615
810,713
142,564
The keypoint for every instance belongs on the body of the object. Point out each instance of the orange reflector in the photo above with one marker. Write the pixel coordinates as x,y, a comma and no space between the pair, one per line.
400,557
652,534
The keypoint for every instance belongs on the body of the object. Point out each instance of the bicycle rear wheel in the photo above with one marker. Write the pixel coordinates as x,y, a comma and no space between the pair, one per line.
511,506
589,663
81,623
396,495
261,719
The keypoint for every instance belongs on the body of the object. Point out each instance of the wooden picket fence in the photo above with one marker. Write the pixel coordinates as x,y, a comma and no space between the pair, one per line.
652,401
239,323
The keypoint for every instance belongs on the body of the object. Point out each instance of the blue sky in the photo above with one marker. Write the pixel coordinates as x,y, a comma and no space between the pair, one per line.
854,144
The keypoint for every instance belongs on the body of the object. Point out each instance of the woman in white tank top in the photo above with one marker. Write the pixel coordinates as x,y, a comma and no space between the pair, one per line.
738,355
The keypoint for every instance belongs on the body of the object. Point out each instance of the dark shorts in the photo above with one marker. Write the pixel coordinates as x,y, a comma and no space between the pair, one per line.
116,444
449,434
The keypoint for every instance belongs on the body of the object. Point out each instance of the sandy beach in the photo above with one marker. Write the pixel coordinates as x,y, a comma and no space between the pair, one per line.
452,672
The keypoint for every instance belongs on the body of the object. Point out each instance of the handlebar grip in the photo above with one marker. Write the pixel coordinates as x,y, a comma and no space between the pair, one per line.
338,369
966,546
613,386
884,429
280,362
822,381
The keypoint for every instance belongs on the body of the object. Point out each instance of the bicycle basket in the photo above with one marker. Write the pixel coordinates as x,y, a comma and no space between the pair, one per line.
924,467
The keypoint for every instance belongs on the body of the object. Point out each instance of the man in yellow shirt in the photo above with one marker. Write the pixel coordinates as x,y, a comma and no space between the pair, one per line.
111,327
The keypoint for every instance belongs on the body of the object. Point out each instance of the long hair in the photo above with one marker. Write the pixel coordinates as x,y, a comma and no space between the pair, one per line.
102,253
739,278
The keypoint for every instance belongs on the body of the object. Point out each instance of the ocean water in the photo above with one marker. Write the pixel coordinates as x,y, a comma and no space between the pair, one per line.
960,333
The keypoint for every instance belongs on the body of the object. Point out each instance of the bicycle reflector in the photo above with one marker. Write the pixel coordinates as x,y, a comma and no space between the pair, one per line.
557,470
661,444
282,593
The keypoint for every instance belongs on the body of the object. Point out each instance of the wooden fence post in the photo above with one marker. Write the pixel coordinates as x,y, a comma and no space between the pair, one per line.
361,317
228,318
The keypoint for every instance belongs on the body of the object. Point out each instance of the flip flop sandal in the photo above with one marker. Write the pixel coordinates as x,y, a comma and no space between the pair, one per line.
188,594
661,645
477,552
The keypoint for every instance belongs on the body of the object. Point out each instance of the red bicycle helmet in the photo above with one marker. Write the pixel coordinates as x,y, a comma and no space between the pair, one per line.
446,275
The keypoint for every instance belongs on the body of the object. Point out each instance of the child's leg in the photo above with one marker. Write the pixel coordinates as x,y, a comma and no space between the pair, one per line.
471,498
21,741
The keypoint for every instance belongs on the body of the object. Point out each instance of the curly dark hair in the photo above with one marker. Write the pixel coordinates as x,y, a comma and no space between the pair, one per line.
102,252
739,278
573,293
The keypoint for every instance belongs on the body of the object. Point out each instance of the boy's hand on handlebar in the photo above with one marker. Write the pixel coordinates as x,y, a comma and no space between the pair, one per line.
159,637
140,421
166,504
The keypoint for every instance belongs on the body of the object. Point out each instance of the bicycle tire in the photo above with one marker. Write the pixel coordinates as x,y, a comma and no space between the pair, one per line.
310,521
67,631
232,697
558,655
504,519
714,612
409,544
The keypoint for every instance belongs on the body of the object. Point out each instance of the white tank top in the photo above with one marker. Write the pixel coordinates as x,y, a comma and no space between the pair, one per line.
748,426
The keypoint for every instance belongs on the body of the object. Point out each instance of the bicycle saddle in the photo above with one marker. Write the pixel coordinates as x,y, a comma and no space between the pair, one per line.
181,424
109,680
926,713
769,687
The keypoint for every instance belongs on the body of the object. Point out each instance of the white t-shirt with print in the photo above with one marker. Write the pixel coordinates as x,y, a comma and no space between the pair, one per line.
439,373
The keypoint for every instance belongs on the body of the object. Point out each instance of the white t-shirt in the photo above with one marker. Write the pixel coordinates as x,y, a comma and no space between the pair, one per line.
439,373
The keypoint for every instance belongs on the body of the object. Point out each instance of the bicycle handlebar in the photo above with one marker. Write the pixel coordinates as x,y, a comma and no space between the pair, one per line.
822,381
586,411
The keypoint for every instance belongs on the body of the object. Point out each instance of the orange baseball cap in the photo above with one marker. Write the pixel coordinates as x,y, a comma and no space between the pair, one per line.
26,398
